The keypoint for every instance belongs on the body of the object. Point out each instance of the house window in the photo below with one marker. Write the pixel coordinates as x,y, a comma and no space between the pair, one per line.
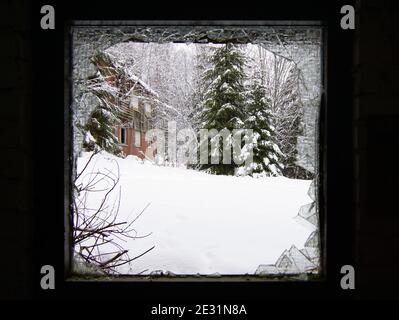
137,138
134,102
123,136
147,108
146,124
136,120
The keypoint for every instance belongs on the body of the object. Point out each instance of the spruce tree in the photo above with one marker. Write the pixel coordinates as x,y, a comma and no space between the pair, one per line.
223,101
266,154
99,131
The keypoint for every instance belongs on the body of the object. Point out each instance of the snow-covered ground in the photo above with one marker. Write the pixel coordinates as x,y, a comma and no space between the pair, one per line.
203,223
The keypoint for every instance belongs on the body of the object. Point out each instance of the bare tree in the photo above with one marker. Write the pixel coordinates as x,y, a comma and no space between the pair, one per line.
282,79
97,232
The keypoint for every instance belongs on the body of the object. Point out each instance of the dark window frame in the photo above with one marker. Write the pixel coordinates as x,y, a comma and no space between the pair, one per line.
280,277
336,123
123,135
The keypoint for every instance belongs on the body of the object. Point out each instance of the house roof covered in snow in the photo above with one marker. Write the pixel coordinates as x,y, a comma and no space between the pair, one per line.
111,68
109,65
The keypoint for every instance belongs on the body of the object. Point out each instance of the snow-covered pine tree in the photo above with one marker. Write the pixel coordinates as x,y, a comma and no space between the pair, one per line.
98,131
224,101
266,153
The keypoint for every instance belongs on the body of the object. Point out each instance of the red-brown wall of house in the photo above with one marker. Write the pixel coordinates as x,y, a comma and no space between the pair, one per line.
129,147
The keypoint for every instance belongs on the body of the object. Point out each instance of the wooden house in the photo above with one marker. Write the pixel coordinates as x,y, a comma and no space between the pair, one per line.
130,99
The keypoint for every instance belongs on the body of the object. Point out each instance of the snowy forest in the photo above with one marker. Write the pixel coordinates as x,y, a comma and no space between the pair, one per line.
247,85
175,210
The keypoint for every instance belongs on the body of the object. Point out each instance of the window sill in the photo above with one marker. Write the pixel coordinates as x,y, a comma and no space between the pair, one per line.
193,278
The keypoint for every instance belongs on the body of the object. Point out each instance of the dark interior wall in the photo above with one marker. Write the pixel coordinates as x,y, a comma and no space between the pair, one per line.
375,139
15,150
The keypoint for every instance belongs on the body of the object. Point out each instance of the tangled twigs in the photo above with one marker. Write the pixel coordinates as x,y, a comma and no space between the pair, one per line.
97,232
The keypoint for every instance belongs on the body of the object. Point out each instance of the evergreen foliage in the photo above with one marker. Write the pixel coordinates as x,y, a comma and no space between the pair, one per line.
99,131
223,105
266,154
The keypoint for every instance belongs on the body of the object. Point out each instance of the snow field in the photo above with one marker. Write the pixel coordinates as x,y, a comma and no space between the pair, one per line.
202,223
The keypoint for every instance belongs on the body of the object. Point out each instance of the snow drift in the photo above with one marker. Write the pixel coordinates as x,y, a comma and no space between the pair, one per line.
202,223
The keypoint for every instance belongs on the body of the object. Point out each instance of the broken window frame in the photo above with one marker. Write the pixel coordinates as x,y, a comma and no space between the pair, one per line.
321,169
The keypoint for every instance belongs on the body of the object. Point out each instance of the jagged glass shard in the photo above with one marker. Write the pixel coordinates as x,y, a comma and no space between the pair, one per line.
80,266
301,261
293,261
311,249
305,148
312,254
312,190
313,240
309,213
267,269
287,266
